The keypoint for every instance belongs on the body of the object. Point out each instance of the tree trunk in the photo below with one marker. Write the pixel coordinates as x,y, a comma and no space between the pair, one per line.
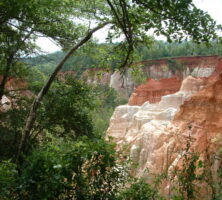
36,103
5,76
2,86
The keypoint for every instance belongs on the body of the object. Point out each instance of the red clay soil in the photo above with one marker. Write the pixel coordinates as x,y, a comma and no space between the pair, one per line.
215,76
199,121
203,114
17,85
153,90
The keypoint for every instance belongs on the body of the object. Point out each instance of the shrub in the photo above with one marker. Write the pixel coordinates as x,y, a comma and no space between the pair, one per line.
81,170
139,190
8,180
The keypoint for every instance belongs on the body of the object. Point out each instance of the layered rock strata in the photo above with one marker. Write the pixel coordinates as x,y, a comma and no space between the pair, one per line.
196,66
153,90
123,84
163,79
157,134
146,128
158,72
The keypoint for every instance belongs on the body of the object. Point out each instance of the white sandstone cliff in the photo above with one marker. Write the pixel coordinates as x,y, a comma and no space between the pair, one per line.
148,131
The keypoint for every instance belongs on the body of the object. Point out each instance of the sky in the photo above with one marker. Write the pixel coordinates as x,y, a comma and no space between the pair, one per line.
213,7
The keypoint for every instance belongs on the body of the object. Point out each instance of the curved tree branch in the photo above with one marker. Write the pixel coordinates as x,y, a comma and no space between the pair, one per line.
36,103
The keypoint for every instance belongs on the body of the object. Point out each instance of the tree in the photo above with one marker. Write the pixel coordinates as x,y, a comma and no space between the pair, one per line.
177,20
83,170
69,117
35,105
22,21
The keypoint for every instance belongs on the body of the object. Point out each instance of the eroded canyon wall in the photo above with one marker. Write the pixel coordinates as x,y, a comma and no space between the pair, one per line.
164,80
157,134
153,90
196,66
164,76
148,129
163,73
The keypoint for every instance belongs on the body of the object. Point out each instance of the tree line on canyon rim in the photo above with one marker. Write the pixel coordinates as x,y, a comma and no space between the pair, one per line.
105,58
51,146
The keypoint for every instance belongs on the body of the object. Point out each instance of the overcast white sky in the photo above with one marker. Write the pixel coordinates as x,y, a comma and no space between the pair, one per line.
213,7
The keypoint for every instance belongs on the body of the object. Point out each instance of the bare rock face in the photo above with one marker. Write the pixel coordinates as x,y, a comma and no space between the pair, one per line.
203,113
120,120
163,77
123,84
196,66
162,81
153,90
157,134
200,120
148,130
5,103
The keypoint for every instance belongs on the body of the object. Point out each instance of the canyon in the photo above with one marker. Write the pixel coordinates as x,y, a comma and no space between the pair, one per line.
168,113
163,76
179,105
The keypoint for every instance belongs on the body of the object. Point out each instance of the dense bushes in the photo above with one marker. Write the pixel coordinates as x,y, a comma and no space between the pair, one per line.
139,190
8,180
82,169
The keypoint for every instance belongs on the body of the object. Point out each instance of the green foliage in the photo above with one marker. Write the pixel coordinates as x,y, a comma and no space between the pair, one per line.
187,177
174,66
22,22
175,20
83,170
8,179
35,79
194,173
107,100
66,166
92,55
212,177
11,125
65,112
66,109
139,190
161,49
107,57
138,75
